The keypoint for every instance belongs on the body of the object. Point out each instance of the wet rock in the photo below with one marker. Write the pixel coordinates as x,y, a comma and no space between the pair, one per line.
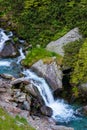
51,72
8,51
82,111
57,46
20,80
56,127
47,111
30,89
6,76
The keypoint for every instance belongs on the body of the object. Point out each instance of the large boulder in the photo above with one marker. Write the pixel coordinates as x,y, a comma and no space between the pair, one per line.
51,72
9,50
47,111
57,46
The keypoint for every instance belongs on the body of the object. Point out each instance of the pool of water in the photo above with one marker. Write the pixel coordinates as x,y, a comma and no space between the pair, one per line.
78,123
10,66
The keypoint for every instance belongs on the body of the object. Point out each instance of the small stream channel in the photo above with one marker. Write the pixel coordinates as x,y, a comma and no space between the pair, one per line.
63,113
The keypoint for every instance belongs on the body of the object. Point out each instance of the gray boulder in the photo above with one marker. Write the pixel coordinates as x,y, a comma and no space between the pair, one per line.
8,51
51,72
20,80
31,89
7,76
57,46
56,127
47,111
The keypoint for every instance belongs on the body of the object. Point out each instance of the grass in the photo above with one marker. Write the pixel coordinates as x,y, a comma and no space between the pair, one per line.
40,53
9,123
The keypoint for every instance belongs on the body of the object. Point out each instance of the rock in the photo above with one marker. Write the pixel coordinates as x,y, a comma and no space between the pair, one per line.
57,46
20,80
83,88
5,84
30,89
6,76
56,127
20,97
2,90
26,106
82,111
8,51
47,111
51,72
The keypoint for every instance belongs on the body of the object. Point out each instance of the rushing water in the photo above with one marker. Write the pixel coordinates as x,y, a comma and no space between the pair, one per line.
62,112
9,65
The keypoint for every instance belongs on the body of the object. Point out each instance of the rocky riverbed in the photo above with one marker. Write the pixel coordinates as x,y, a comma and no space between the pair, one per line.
17,102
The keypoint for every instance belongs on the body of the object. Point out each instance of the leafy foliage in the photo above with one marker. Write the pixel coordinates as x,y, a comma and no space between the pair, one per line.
71,51
41,21
79,74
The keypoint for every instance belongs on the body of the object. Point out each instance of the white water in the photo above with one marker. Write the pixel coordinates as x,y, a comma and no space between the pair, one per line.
5,63
4,38
61,111
21,57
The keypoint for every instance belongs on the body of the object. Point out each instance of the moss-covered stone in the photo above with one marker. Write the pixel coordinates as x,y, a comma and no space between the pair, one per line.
40,53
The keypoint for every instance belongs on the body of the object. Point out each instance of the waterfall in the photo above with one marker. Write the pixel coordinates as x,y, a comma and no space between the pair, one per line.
61,110
21,57
4,38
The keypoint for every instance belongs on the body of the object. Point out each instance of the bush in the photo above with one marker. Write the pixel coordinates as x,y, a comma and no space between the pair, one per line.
71,52
79,74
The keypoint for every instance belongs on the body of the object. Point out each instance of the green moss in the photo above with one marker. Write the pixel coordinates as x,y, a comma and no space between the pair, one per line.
9,123
40,53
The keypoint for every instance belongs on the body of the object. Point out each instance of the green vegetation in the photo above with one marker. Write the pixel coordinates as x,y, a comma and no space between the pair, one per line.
40,53
9,123
71,51
79,74
41,21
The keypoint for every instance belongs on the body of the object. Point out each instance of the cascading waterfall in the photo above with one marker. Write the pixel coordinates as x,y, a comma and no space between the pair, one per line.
9,65
61,110
21,57
4,38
